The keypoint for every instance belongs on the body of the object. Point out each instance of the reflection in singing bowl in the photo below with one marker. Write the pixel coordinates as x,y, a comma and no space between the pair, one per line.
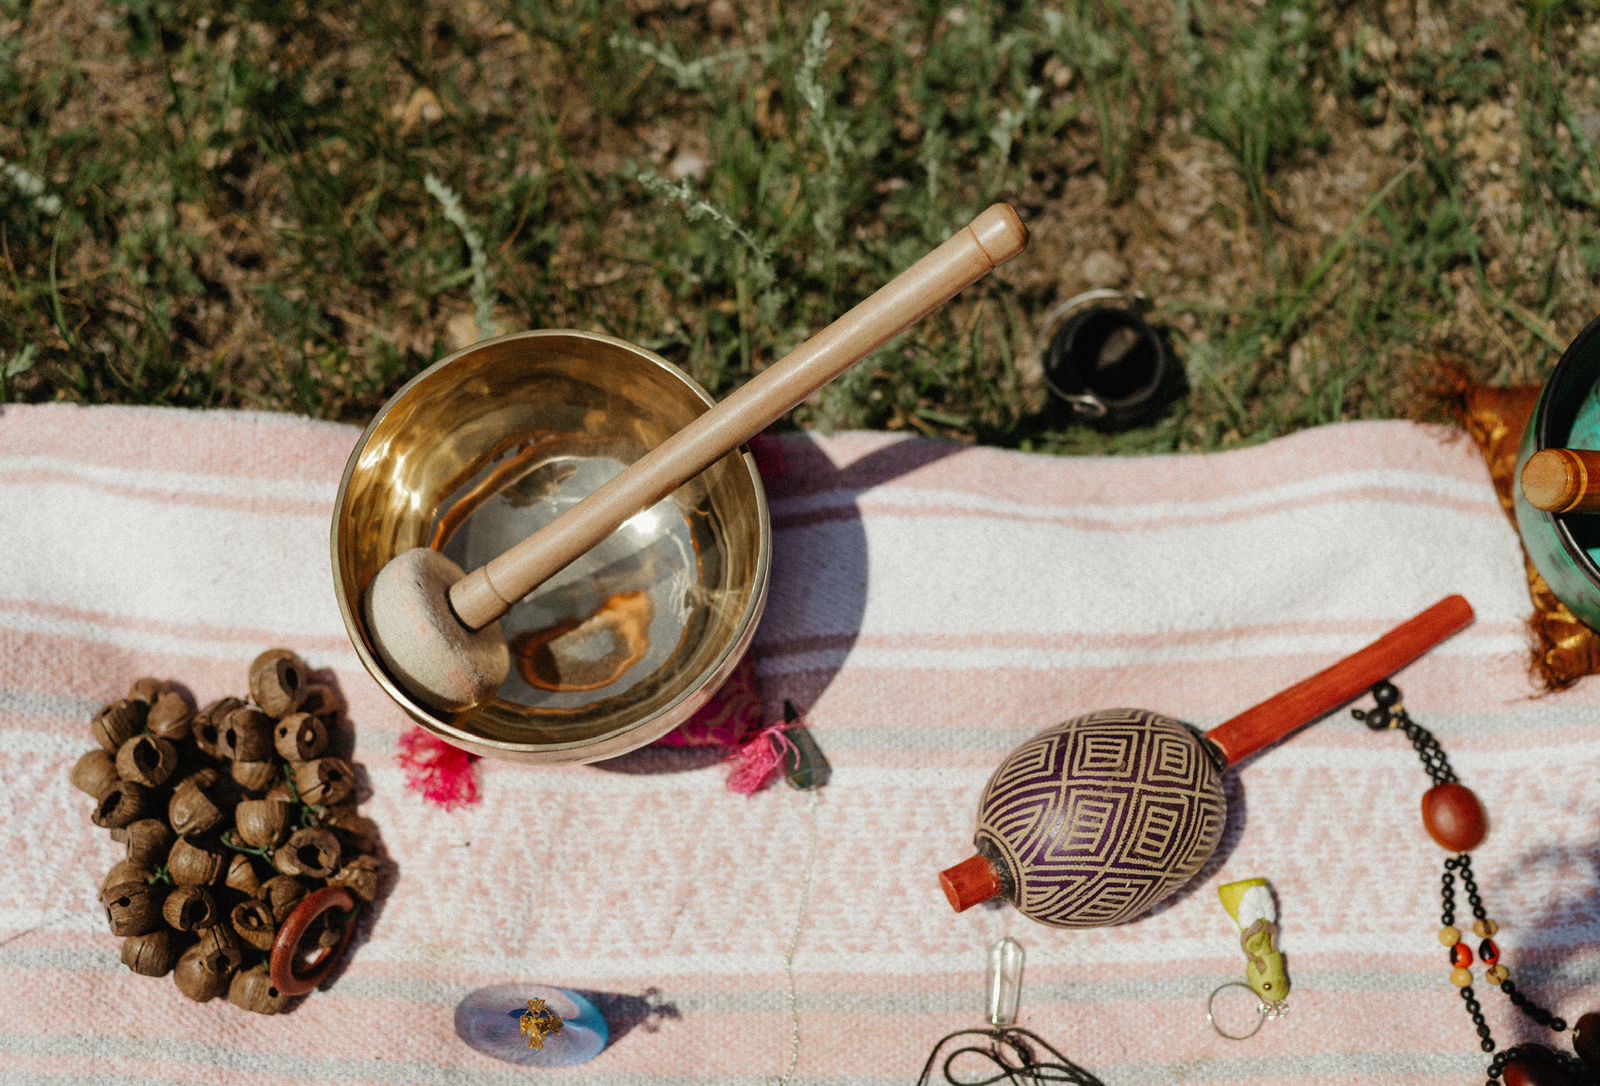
610,620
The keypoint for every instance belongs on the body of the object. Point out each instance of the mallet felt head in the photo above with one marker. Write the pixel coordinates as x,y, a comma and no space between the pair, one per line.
425,647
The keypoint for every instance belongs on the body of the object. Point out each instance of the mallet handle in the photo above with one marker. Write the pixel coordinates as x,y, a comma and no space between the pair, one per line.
974,251
1562,480
1260,727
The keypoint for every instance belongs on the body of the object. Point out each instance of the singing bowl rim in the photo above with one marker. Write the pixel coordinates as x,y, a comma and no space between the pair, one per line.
648,728
1577,583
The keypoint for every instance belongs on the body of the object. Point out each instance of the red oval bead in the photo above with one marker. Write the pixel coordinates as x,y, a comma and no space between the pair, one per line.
1586,1039
1460,956
1488,953
1536,1069
1454,817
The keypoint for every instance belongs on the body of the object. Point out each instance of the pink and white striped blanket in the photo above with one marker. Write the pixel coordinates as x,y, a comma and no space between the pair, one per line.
932,607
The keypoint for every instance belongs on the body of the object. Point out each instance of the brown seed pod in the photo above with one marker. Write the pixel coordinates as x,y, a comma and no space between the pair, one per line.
322,702
242,875
126,871
312,851
329,935
93,773
261,823
202,975
132,908
206,727
147,760
283,893
222,945
150,954
277,677
117,723
253,990
300,737
325,782
170,716
191,809
190,908
254,776
357,832
122,803
360,877
246,735
191,865
148,842
147,689
281,791
254,923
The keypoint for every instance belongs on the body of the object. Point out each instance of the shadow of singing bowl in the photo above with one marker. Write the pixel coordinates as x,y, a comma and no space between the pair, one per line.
497,440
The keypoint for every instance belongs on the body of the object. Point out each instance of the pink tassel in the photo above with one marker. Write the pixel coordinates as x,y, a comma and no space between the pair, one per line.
733,714
441,772
761,759
767,448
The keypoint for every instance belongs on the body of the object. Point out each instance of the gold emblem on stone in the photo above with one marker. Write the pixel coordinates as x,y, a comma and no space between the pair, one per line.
540,1022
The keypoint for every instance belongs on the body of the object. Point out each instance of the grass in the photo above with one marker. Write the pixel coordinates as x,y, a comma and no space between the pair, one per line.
278,206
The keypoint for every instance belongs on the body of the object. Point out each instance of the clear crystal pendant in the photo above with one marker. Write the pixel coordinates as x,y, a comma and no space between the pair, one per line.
1005,981
532,1025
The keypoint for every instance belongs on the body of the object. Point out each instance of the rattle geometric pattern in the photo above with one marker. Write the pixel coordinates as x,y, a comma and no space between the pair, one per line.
1102,817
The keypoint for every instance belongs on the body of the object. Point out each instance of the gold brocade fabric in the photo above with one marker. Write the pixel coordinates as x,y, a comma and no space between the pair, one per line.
1564,649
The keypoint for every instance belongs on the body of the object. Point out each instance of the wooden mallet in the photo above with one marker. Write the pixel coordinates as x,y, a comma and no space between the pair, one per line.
1562,481
436,628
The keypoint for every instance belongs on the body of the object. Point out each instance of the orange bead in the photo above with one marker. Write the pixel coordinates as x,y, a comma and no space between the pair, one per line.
1454,817
1460,956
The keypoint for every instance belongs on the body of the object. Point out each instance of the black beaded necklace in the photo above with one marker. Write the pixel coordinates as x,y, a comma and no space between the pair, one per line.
1455,819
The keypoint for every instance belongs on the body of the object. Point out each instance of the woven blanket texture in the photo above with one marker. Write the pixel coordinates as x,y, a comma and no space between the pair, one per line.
932,606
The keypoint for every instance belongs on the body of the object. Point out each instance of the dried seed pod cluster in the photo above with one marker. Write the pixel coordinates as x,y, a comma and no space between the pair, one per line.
231,815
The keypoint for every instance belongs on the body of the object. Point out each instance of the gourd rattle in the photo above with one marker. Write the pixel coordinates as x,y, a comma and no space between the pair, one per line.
437,628
1097,820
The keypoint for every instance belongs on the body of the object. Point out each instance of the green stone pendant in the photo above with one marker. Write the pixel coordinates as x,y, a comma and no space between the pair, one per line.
808,768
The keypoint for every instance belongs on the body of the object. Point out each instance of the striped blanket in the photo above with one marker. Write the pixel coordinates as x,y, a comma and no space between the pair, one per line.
932,606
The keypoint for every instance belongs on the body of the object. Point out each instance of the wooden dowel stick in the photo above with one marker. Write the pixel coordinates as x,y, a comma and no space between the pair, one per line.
1562,480
988,241
1265,724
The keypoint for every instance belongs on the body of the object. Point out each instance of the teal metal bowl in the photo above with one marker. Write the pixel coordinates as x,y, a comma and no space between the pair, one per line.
1566,547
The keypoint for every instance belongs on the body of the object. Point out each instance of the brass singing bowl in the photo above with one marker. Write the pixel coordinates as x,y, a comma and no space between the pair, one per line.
494,441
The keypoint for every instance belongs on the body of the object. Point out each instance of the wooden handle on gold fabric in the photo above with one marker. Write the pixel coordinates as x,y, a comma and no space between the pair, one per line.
976,249
1265,724
1562,480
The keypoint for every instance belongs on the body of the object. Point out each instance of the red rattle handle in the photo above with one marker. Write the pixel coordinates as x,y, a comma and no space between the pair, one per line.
286,947
1313,698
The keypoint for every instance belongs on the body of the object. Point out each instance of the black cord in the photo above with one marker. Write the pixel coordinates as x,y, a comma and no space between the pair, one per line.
1010,1053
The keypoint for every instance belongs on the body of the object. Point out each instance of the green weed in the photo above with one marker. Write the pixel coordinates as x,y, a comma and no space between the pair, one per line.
295,208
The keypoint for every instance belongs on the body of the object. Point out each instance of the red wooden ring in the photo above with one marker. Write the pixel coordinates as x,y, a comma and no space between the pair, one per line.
287,944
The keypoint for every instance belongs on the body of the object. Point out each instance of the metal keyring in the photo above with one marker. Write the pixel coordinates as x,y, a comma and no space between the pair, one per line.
1261,1012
